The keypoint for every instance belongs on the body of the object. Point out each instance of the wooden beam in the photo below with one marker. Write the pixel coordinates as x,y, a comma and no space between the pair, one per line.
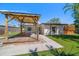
24,15
20,17
6,27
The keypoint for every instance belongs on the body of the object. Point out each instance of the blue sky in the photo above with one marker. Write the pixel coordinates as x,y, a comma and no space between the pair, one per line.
46,10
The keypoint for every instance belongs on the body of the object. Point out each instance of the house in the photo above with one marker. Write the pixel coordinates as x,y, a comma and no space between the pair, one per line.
51,29
57,29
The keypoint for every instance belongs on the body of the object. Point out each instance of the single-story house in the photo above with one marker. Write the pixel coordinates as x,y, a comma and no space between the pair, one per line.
57,29
51,29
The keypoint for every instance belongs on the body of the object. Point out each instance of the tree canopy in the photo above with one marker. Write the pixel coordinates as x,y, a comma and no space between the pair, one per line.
54,21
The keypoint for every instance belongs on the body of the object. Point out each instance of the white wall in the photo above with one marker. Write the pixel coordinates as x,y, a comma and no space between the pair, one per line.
46,31
59,30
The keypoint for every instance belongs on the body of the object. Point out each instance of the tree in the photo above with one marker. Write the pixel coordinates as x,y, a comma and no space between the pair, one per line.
54,21
74,8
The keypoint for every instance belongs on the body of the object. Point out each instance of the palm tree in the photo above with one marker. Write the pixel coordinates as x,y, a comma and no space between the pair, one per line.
74,8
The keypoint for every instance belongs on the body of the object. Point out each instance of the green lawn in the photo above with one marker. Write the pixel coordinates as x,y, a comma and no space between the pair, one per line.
67,41
12,33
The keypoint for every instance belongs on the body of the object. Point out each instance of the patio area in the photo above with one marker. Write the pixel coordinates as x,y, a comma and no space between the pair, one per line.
22,48
20,39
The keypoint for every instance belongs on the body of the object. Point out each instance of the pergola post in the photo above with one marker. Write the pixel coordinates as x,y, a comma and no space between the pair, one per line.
37,30
21,28
6,27
21,25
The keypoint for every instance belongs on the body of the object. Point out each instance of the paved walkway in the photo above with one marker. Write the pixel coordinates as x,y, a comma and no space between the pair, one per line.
24,48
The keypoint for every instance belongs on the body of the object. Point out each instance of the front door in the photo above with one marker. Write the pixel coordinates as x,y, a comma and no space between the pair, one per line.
53,30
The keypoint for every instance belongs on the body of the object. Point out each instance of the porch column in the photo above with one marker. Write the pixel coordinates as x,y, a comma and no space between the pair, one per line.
6,27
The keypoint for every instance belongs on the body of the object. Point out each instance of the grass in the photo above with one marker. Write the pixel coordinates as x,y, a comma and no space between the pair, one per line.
67,42
13,34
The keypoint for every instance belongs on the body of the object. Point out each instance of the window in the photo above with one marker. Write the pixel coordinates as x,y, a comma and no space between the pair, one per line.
29,29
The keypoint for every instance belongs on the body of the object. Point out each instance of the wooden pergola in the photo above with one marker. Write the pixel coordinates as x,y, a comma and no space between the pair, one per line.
22,18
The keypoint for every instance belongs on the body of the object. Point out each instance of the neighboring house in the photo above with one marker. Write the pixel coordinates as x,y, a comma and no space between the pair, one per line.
51,29
57,29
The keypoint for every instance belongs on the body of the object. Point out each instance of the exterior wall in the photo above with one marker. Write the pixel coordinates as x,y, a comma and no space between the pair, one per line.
61,29
45,29
58,29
